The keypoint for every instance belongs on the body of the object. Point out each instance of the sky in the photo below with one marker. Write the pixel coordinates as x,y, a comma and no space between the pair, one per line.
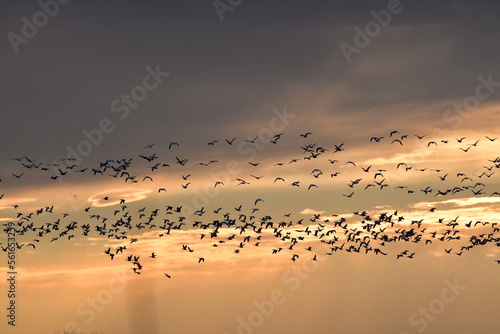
359,136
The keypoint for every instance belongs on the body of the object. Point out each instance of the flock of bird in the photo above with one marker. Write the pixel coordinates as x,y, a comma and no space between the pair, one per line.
368,233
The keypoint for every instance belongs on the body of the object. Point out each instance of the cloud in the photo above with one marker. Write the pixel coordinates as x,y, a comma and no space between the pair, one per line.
458,202
7,203
308,211
116,195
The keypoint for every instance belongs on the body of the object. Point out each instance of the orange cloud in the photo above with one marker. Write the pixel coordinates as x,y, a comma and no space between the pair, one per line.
114,196
308,211
8,203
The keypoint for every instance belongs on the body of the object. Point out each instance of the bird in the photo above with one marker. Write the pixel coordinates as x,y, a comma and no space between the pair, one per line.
465,149
181,162
338,148
367,169
148,158
252,141
475,144
361,231
258,200
149,146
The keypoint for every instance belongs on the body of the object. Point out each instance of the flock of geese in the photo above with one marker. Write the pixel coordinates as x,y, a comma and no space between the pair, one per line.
370,233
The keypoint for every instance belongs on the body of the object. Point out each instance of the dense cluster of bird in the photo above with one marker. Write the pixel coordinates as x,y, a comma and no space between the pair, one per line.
334,169
368,234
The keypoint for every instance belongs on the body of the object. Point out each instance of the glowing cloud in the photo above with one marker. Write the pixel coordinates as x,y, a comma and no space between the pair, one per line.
308,211
460,202
7,203
113,197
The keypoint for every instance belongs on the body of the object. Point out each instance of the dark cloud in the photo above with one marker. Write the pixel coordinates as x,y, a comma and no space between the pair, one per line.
229,74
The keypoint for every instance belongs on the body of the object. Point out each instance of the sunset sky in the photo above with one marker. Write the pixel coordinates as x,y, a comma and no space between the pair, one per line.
318,118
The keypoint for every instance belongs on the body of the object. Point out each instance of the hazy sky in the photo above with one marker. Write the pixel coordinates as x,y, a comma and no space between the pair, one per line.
94,81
